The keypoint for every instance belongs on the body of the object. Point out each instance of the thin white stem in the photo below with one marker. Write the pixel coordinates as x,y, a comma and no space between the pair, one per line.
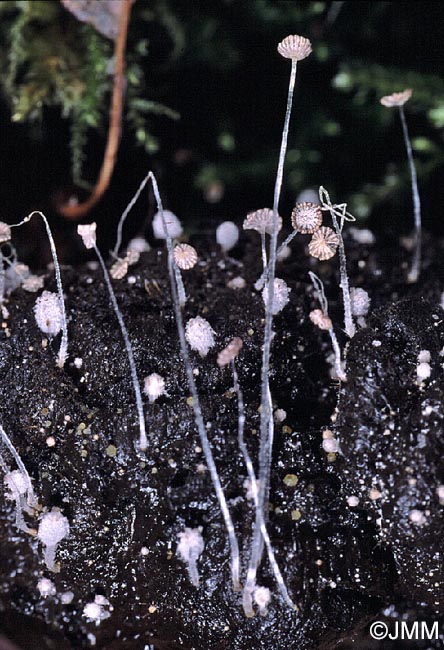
416,262
319,287
180,286
263,251
266,411
337,350
247,600
32,500
143,442
63,350
349,325
125,213
198,418
2,279
259,284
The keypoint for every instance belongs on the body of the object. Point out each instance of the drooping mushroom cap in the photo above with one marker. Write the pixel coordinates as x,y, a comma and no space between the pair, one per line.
262,221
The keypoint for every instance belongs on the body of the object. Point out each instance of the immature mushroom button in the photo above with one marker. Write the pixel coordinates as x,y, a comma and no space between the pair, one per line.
48,313
52,529
199,335
154,386
229,353
189,548
280,295
227,235
173,225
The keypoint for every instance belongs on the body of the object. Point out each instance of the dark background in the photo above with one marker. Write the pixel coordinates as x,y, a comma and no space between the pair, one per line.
215,64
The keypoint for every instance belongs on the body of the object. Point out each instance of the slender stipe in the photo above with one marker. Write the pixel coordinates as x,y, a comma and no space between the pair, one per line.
266,412
252,478
63,350
415,269
198,418
143,441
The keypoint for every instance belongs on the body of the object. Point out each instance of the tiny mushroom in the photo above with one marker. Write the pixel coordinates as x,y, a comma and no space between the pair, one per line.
52,529
189,548
172,223
199,335
48,313
154,387
324,243
280,295
88,233
306,217
227,235
185,256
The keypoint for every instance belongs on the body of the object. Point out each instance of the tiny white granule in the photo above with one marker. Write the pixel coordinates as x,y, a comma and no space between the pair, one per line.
227,235
417,517
199,335
46,587
330,445
375,494
154,386
423,371
144,551
50,441
67,597
440,493
280,295
48,313
173,225
78,362
262,597
376,343
237,283
352,501
279,415
424,356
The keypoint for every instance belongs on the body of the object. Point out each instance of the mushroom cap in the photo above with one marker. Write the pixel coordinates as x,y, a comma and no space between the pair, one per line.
306,217
185,256
320,319
324,243
295,47
396,99
262,221
53,528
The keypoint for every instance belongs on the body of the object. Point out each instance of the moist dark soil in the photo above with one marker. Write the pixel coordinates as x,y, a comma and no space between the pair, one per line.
345,565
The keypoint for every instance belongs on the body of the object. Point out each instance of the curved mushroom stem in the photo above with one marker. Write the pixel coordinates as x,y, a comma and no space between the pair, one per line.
112,145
